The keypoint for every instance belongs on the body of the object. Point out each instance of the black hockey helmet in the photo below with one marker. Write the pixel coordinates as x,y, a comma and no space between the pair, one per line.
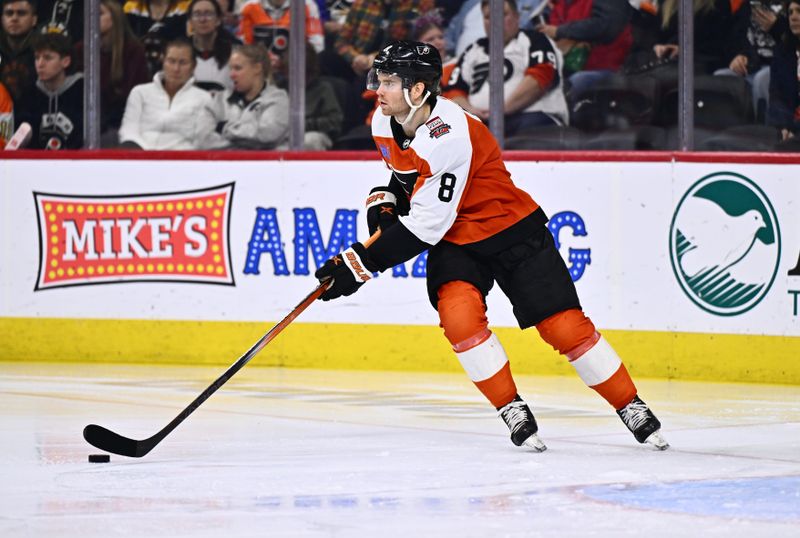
412,61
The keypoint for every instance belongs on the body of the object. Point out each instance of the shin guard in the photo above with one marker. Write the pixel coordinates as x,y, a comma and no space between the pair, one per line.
487,366
601,369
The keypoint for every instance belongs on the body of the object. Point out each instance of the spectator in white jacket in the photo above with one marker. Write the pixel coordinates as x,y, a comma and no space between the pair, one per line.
170,113
255,113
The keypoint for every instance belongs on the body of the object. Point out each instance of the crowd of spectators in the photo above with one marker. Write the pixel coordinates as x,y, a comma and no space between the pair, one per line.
213,74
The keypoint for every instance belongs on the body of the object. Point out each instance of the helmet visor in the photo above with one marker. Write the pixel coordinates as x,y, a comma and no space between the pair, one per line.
373,82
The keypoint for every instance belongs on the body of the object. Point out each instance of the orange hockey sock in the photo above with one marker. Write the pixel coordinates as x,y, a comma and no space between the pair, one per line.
487,366
601,369
462,313
573,335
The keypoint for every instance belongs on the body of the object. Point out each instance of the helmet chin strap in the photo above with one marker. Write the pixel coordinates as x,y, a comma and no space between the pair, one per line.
414,107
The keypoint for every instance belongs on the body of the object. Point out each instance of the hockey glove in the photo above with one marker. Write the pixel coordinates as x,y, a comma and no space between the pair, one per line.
381,209
348,270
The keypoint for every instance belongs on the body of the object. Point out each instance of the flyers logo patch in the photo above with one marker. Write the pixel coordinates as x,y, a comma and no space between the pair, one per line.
437,127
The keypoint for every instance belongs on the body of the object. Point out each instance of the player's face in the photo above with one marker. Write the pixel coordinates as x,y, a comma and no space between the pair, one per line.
510,22
390,95
178,66
18,18
245,74
50,65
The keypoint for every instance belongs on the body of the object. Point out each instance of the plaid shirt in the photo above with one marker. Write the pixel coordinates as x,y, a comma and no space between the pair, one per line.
370,23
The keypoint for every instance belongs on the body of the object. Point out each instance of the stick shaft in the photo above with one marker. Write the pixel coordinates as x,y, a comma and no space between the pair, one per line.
109,441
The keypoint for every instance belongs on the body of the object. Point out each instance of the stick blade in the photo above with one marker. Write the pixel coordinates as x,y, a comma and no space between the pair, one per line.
106,440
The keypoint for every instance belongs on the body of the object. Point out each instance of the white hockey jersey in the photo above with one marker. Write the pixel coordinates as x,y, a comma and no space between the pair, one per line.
454,177
529,53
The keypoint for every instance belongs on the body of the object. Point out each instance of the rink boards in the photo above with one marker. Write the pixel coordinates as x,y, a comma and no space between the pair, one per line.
685,262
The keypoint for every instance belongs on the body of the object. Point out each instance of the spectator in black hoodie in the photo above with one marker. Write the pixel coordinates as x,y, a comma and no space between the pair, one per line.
55,107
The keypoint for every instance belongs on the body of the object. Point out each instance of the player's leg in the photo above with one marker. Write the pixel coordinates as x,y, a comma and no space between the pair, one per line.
534,277
462,313
573,335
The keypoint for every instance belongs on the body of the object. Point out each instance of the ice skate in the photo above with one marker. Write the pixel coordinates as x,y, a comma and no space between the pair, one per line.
520,420
643,424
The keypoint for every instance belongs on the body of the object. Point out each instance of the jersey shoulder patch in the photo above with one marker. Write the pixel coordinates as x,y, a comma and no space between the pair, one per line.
437,127
445,134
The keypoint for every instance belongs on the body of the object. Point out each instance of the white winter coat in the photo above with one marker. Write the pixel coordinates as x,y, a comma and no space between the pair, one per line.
155,123
262,123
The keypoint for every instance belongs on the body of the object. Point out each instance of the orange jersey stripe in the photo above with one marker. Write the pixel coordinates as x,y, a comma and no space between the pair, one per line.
453,152
491,202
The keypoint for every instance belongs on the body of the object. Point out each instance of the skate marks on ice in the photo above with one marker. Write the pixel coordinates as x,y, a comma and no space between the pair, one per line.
309,453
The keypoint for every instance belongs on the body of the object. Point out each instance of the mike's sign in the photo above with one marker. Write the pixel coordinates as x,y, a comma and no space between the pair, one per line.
175,237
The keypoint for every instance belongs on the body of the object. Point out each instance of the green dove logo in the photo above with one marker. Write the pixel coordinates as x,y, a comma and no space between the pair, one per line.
725,244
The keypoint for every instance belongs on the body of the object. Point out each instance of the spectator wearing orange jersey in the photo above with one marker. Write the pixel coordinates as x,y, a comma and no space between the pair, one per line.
6,116
260,19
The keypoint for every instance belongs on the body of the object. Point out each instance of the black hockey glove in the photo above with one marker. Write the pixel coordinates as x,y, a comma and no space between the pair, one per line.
349,270
381,209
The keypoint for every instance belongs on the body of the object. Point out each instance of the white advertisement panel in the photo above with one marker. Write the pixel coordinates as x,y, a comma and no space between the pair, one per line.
662,246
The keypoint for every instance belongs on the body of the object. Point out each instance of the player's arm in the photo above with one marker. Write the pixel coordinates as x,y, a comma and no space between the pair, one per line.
384,205
433,210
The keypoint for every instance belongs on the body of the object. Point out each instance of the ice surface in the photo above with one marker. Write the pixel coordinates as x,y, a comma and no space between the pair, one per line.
281,452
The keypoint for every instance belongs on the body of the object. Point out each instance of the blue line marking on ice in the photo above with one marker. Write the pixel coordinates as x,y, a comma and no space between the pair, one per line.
768,498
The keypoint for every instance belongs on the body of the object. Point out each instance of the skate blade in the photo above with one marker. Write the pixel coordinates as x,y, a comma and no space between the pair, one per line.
535,443
657,440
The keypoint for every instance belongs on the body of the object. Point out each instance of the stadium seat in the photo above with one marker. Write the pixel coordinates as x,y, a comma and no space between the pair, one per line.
617,102
357,138
742,138
719,102
546,138
638,137
791,145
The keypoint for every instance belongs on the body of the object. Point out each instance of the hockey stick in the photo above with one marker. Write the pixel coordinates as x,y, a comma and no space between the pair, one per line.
106,440
21,137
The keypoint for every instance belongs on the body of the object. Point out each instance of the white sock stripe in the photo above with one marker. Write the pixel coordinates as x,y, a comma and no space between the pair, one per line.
484,360
356,266
597,364
381,197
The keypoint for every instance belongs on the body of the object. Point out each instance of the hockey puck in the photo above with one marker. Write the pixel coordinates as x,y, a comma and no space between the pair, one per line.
99,458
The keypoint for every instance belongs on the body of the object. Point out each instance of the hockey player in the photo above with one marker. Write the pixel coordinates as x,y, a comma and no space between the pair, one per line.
451,193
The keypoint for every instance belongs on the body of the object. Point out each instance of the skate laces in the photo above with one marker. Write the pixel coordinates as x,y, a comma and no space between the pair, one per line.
635,414
515,415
